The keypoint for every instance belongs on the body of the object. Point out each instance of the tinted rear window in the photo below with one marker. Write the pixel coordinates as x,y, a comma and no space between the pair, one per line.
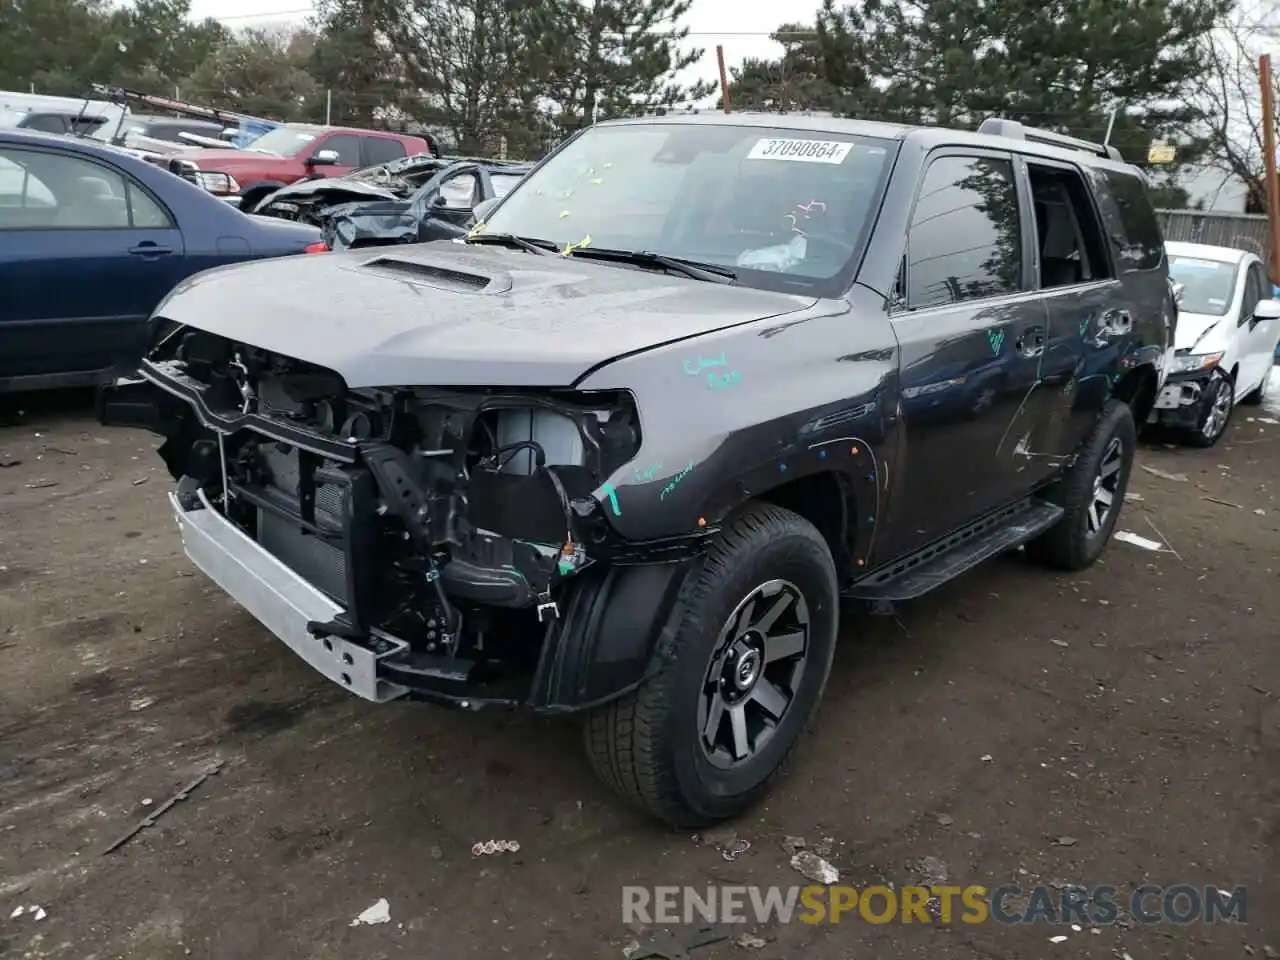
1143,244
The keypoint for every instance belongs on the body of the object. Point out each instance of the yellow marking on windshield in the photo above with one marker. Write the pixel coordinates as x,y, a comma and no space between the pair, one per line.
564,214
576,245
479,228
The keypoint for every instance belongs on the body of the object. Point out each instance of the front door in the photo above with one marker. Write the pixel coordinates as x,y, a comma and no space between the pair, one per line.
85,255
972,332
1257,337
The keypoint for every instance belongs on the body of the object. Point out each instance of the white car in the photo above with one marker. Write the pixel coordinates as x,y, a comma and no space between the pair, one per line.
1228,326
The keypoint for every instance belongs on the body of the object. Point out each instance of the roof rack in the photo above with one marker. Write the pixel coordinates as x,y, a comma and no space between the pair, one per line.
1013,130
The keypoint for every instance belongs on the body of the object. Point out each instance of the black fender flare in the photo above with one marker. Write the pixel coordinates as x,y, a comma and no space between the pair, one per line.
860,477
602,645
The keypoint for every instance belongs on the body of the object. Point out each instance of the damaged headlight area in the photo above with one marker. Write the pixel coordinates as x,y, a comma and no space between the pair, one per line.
457,525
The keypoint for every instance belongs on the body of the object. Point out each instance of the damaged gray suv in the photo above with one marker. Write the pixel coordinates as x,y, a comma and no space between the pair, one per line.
623,450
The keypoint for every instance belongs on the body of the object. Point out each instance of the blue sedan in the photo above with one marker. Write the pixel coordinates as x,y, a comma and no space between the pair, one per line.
91,239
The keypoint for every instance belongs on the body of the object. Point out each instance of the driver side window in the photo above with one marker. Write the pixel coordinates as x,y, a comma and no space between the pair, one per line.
1255,290
459,192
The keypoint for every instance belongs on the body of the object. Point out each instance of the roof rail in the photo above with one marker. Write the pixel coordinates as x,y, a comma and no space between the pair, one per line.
999,127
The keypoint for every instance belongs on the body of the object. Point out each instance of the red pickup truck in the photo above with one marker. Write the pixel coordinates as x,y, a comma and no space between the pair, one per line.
295,151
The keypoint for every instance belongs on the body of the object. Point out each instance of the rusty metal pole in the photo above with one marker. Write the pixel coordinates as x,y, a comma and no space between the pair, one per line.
724,77
1269,163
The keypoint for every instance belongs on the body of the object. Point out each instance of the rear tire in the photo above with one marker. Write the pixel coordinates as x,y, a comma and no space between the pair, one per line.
1097,480
668,748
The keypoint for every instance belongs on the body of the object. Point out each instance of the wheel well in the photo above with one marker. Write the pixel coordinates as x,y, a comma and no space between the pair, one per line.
1235,372
256,191
820,499
1137,388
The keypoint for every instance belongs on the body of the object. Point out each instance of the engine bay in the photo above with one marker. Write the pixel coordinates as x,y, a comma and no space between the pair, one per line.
440,517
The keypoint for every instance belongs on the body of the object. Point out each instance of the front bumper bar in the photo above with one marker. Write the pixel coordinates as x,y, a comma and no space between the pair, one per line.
600,649
281,600
1179,401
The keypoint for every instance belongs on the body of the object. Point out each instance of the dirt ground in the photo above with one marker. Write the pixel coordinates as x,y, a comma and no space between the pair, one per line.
1133,709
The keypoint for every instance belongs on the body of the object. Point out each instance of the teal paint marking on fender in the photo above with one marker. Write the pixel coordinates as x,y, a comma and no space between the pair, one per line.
671,484
608,491
996,339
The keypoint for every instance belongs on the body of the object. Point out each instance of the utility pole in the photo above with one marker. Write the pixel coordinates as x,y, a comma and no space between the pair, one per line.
328,106
724,77
1269,163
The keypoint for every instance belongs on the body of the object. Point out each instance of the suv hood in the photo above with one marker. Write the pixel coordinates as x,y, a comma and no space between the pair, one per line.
446,314
1195,327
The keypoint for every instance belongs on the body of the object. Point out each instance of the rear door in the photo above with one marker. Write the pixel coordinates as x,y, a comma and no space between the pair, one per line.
85,254
1140,328
1072,265
375,150
971,331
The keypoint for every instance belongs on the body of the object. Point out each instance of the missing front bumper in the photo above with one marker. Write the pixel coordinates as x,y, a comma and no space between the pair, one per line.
600,649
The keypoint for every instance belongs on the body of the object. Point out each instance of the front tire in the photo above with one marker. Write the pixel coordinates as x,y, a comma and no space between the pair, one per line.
1091,493
1215,411
746,655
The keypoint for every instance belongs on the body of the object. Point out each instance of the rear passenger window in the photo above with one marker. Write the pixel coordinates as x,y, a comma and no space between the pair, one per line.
965,238
382,150
1142,247
1069,238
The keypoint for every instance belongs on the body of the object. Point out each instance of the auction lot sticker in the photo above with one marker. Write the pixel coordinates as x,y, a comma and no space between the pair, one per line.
803,151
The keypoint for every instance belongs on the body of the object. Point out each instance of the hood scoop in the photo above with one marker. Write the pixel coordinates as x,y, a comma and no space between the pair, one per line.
433,275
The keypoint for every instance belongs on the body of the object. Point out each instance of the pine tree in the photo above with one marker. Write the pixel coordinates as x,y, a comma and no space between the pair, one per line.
616,58
1063,64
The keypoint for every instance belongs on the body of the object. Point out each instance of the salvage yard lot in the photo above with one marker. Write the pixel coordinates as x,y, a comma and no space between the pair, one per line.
1133,709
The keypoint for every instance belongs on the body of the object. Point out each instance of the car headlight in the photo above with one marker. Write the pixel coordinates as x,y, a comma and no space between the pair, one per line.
1195,361
219,183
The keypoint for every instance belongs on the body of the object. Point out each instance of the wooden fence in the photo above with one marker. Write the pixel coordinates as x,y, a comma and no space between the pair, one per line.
1247,231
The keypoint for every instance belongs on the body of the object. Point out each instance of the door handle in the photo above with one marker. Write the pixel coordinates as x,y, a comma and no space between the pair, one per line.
148,248
1030,342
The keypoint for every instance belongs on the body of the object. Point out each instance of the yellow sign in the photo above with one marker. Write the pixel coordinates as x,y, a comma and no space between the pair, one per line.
1160,152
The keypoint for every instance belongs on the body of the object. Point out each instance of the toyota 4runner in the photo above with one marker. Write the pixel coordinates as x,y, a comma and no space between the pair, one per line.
623,449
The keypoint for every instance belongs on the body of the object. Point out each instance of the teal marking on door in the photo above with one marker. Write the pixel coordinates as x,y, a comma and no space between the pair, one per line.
996,339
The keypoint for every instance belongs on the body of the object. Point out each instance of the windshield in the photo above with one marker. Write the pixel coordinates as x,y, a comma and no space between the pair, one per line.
1208,285
785,209
284,141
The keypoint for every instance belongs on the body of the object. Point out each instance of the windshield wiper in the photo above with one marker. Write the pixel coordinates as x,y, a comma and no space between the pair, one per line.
540,247
694,269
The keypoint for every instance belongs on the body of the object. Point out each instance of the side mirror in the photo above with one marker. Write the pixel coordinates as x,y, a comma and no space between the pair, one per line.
323,158
483,207
439,201
1267,310
1179,291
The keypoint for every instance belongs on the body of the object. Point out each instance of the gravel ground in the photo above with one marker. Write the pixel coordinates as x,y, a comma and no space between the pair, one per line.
1133,709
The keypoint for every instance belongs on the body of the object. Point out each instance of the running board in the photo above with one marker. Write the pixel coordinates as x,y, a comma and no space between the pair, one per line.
918,573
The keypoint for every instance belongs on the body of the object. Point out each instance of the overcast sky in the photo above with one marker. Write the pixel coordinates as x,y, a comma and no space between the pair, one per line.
728,22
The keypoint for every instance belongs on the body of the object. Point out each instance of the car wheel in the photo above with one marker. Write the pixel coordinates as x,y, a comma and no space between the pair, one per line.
1215,411
745,657
1091,493
1254,397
